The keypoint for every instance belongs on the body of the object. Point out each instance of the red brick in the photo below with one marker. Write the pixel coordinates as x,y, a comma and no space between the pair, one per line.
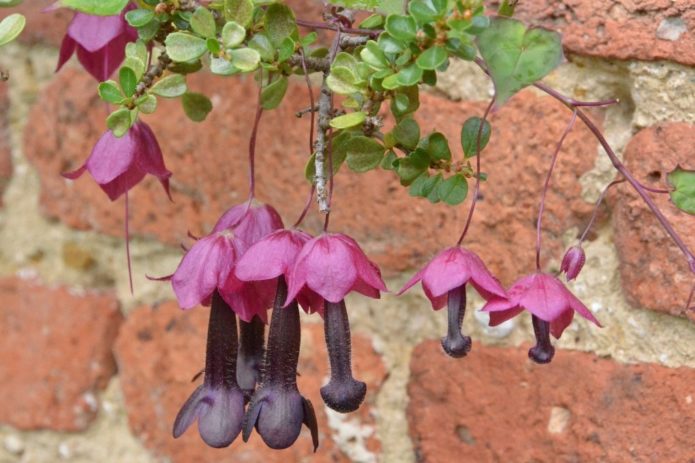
45,28
160,349
5,148
496,406
619,29
654,272
209,162
55,354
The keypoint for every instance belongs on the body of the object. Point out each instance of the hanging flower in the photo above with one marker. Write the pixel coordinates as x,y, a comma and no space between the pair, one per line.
573,261
118,164
99,42
444,280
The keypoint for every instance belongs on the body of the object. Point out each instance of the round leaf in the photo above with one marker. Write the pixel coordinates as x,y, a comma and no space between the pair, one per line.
469,136
683,195
203,22
432,58
245,59
119,122
139,17
96,7
280,23
401,27
196,106
11,27
233,34
272,95
453,190
349,120
364,153
182,46
129,82
109,92
171,86
239,11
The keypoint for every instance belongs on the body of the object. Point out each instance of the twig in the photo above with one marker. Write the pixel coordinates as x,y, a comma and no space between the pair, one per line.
153,73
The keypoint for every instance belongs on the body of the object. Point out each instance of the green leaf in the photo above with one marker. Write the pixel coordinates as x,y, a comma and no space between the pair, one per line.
128,81
389,159
343,81
239,11
119,122
139,17
409,76
286,49
401,27
171,86
426,187
453,190
405,101
432,58
425,11
182,46
436,146
186,68
196,106
203,22
683,195
245,59
136,64
372,22
9,3
11,27
373,56
469,136
272,95
110,92
136,50
407,133
389,44
148,31
233,34
411,166
348,120
96,7
222,67
364,153
147,104
261,43
516,56
339,144
507,8
280,23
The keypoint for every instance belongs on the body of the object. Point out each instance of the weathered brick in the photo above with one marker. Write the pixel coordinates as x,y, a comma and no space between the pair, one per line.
654,272
209,162
46,28
644,30
496,405
55,354
160,349
5,149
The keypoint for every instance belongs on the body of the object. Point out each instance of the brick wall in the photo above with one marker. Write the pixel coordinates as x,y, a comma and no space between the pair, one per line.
92,373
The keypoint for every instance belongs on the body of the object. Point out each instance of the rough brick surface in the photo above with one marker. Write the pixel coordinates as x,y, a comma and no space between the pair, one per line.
496,405
55,354
160,349
45,28
654,272
5,149
643,29
209,162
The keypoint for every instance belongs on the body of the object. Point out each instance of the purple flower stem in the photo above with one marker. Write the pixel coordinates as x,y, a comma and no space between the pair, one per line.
455,344
543,351
127,243
307,205
620,167
541,207
222,344
343,393
594,214
311,100
252,147
476,190
250,356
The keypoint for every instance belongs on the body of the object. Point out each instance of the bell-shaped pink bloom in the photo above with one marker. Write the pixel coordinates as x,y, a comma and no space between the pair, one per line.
573,261
453,268
250,223
545,297
274,256
332,265
99,42
118,164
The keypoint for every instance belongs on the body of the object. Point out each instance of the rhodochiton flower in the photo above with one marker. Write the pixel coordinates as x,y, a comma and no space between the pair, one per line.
118,164
332,265
274,256
217,404
573,261
444,280
99,42
551,304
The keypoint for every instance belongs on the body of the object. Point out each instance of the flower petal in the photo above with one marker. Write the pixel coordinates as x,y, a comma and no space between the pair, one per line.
544,296
328,266
111,156
558,325
221,423
67,48
272,256
448,270
95,32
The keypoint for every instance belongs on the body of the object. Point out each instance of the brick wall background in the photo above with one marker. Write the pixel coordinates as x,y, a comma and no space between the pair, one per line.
90,373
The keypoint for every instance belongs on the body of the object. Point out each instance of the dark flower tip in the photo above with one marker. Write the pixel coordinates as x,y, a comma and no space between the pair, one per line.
217,404
277,409
573,261
455,344
343,393
543,351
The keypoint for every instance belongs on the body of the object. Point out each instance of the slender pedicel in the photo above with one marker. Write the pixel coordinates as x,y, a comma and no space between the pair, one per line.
455,344
343,393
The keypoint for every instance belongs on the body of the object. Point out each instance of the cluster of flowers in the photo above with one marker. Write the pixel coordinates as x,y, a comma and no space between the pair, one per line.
250,263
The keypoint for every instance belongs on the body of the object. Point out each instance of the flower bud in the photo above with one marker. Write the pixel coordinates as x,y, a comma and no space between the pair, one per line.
573,262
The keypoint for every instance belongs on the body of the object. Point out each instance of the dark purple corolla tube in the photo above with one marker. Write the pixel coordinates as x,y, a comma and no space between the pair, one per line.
217,404
343,393
277,409
455,344
250,357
